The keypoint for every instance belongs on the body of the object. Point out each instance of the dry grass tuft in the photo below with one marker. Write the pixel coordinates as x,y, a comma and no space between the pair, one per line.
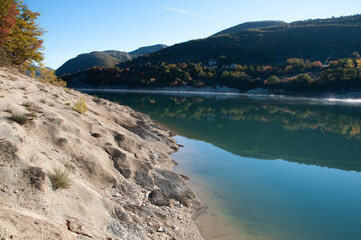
60,178
27,105
19,118
80,106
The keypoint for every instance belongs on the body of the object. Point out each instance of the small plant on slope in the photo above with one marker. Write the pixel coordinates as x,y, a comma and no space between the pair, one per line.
80,106
19,118
60,178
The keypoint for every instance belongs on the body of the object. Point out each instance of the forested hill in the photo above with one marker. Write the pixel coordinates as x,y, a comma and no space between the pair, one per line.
354,20
88,60
249,25
311,39
147,50
313,55
103,59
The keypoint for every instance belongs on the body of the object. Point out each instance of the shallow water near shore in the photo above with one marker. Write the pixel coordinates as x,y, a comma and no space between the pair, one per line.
265,168
260,199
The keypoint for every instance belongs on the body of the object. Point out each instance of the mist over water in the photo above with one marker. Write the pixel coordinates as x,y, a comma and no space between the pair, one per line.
273,168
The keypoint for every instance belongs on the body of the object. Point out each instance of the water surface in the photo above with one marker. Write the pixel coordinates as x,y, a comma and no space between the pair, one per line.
266,169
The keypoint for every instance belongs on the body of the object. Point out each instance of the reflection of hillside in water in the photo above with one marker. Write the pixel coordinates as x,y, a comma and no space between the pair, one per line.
309,134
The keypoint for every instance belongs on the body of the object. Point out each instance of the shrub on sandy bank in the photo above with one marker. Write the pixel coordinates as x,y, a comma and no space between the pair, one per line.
60,178
80,106
19,118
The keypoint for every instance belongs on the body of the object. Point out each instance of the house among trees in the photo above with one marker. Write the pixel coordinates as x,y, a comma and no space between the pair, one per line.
212,64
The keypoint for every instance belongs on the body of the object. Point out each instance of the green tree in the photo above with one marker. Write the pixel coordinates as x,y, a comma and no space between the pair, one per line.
225,74
358,62
355,55
301,82
296,63
46,75
349,64
303,79
151,81
272,80
250,69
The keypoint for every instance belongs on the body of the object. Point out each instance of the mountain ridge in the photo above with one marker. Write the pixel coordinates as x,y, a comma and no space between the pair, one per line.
250,25
318,55
147,49
107,58
309,39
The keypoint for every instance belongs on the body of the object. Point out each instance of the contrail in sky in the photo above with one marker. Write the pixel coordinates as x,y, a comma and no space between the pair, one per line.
188,13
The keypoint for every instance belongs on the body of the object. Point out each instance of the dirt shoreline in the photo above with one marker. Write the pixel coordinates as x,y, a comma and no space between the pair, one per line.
122,182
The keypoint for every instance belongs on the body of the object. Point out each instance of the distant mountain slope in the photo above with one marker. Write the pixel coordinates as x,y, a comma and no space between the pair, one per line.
147,50
88,60
354,20
312,39
103,59
248,25
291,56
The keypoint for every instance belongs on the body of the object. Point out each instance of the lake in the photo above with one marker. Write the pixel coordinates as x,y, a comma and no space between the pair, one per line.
265,168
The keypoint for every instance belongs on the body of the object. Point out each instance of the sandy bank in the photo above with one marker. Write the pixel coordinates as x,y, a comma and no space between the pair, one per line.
116,157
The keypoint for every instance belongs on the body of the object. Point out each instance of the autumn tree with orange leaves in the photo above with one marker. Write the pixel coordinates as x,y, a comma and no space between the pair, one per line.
20,36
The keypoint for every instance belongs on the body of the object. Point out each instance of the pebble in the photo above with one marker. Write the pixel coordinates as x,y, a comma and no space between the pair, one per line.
160,229
4,189
117,195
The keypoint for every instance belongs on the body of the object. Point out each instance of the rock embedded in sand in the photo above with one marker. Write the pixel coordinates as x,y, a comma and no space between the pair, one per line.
160,229
117,229
56,121
36,176
8,150
158,198
121,215
142,178
96,135
120,161
62,142
173,186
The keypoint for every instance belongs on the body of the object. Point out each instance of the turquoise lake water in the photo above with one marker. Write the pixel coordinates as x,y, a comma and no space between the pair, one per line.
281,169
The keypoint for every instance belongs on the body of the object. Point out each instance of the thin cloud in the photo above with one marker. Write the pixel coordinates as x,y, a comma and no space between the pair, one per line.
187,13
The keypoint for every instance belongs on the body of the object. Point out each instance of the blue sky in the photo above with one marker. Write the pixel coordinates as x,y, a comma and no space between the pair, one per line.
81,26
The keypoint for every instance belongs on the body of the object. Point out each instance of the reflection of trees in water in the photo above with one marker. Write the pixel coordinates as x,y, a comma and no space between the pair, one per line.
319,135
292,117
